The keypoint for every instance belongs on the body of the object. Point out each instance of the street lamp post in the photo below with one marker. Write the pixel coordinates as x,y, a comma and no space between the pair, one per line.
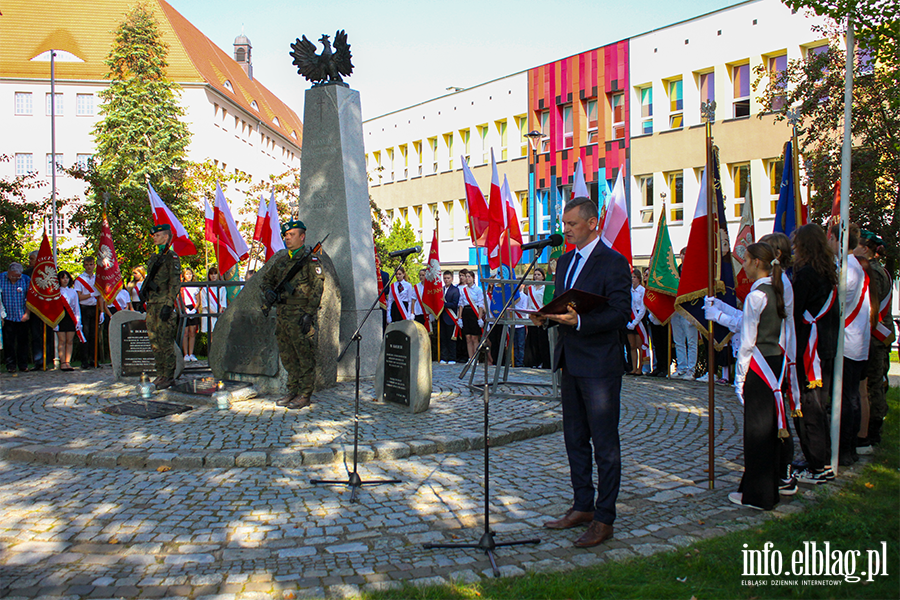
534,139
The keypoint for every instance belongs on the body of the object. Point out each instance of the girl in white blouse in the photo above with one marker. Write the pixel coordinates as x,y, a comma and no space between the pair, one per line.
638,310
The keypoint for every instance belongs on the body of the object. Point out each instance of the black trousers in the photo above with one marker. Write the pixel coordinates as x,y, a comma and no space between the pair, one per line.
762,448
813,429
88,325
591,418
15,344
659,339
851,411
41,346
448,344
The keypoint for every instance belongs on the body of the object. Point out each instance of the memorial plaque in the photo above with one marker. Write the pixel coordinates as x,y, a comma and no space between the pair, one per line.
137,355
396,368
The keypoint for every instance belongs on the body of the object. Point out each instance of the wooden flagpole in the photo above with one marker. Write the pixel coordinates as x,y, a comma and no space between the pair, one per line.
711,223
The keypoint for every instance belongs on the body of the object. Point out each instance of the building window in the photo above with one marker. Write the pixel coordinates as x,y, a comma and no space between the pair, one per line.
59,104
62,223
522,126
417,148
448,229
774,168
590,111
707,85
646,109
417,210
617,107
433,145
378,168
404,159
740,77
84,105
83,161
59,164
404,216
448,142
675,183
23,103
465,137
676,103
228,86
646,184
504,138
483,140
568,127
523,212
777,65
390,159
741,176
545,131
24,164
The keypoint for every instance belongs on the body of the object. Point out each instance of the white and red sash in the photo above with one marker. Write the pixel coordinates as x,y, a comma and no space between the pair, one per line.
118,304
188,299
858,302
457,330
534,301
759,366
85,283
71,313
811,362
881,331
641,330
213,295
469,300
422,306
395,294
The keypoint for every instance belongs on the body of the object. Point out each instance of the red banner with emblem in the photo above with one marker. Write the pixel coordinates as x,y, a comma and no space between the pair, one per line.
43,298
109,277
433,288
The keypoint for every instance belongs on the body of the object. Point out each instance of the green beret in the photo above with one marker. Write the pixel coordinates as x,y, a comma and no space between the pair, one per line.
160,227
871,236
292,224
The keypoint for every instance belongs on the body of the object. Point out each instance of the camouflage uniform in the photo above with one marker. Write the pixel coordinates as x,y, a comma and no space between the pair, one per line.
162,333
879,354
297,350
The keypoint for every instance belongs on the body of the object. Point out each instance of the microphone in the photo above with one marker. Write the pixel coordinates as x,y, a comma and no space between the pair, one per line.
407,252
554,240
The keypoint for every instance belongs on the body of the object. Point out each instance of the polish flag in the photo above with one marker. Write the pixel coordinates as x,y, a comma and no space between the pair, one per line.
745,237
232,247
181,243
498,218
267,226
510,252
208,233
616,233
479,219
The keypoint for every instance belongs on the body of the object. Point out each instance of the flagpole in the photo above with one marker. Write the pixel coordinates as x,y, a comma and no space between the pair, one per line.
53,149
798,203
437,317
708,109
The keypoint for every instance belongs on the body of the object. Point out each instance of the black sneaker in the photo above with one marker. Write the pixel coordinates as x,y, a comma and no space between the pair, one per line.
829,473
787,487
812,477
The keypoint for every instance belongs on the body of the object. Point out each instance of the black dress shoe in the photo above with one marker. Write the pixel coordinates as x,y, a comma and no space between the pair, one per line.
572,518
596,534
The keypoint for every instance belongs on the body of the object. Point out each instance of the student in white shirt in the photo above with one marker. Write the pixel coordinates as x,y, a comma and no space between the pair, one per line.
638,310
471,298
399,298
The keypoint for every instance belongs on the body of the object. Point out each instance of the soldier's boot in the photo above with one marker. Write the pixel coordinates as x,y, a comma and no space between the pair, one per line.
165,382
300,402
285,400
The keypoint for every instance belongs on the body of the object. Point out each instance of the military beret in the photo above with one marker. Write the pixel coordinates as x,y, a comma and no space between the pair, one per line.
160,227
292,224
871,236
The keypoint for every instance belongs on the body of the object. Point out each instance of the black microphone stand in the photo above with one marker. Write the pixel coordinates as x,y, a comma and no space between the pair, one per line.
487,542
354,480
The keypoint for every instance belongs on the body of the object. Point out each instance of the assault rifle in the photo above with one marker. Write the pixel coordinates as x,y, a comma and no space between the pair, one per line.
272,297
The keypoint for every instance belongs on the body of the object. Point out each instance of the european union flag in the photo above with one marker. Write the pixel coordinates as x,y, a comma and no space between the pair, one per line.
786,210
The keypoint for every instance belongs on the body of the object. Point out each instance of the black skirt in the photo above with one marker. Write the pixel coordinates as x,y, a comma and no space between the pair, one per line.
759,484
67,324
192,322
470,322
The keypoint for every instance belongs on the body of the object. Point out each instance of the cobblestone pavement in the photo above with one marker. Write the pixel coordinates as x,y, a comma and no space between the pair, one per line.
255,532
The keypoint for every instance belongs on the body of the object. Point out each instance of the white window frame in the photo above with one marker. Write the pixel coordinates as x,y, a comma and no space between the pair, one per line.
24,104
24,163
84,105
59,104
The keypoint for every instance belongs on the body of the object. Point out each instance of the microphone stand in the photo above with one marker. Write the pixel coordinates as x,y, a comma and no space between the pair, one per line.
487,543
354,480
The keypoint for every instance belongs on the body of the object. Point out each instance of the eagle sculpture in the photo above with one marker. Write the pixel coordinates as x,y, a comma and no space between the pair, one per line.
325,68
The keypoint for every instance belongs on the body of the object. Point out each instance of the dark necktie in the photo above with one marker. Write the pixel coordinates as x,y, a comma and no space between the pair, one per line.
570,276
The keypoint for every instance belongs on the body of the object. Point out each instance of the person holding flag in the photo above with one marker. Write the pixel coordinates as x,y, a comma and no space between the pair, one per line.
91,303
418,303
70,326
160,292
400,295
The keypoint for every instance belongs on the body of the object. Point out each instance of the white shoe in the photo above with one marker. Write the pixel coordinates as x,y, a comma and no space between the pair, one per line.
865,450
738,498
687,376
443,362
451,362
704,378
193,358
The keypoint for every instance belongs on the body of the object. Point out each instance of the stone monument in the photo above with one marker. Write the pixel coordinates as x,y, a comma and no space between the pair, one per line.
334,192
129,347
244,346
404,366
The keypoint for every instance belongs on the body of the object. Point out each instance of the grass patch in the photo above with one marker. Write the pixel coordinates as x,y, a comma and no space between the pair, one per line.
864,513
895,356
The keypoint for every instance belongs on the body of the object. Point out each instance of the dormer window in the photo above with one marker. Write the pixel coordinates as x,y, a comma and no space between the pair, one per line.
276,121
294,135
228,86
254,105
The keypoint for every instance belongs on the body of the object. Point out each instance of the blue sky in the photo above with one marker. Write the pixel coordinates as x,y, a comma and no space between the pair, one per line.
405,52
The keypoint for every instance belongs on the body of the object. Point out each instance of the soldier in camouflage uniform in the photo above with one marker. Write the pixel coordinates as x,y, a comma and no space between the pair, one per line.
297,306
160,294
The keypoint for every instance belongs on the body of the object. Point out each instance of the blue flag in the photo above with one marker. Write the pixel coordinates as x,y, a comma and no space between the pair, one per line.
786,209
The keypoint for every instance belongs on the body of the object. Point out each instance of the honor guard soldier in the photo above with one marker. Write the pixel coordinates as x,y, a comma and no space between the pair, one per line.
159,291
294,283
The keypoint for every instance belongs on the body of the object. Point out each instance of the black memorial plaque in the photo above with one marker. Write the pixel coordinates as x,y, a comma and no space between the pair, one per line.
137,355
396,368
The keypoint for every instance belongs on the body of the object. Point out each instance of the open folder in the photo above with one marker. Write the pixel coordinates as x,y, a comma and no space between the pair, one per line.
583,303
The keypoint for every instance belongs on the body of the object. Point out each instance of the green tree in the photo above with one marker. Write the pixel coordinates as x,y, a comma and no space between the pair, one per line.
400,237
140,138
18,217
814,87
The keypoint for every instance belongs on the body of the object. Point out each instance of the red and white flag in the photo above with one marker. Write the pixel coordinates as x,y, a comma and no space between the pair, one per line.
268,228
181,242
746,236
511,241
616,233
433,288
208,233
43,298
109,277
382,297
497,213
232,247
479,219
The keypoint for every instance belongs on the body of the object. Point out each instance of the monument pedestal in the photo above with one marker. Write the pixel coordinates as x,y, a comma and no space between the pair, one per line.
334,199
404,366
129,347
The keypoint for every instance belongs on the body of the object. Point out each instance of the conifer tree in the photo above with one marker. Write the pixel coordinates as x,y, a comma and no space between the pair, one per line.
140,138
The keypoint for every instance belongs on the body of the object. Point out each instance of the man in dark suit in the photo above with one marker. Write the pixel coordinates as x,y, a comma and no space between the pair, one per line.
449,318
591,359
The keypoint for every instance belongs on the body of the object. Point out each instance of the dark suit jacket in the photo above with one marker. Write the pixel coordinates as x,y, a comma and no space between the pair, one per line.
451,302
594,350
